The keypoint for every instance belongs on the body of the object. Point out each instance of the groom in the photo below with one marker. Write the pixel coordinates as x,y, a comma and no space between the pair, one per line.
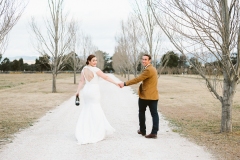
148,96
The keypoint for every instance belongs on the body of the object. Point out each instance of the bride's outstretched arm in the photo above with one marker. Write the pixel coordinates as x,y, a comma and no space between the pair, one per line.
105,77
81,84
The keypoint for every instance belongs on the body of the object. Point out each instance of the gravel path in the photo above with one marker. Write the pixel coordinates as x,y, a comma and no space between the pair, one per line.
52,137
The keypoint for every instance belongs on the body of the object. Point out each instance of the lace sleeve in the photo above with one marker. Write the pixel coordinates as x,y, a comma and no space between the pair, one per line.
82,77
81,82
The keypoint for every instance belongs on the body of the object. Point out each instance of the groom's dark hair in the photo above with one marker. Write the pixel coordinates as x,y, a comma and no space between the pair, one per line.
149,57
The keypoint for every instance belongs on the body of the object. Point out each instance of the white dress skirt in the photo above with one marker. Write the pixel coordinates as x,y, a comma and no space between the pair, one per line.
92,125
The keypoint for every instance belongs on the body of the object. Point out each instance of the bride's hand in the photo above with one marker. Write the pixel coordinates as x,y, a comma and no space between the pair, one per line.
117,85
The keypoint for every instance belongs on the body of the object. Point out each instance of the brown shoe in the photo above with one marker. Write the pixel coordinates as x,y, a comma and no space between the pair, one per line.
139,132
151,136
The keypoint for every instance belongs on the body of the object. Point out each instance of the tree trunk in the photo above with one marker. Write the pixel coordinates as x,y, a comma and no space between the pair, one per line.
135,72
74,76
74,67
228,94
54,88
128,75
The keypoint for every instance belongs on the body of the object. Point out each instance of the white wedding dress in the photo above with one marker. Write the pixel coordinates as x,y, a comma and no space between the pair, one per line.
92,125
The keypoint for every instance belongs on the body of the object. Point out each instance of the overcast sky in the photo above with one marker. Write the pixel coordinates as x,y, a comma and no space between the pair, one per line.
98,18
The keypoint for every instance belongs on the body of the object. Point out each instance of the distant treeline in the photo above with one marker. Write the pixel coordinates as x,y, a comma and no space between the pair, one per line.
19,65
39,66
180,64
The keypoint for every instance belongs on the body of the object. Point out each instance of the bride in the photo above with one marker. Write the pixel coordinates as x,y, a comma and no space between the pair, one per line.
92,125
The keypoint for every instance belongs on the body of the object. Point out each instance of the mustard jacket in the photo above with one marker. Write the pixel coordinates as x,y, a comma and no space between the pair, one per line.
148,88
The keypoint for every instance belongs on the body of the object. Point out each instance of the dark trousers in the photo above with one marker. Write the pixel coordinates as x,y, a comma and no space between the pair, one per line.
152,104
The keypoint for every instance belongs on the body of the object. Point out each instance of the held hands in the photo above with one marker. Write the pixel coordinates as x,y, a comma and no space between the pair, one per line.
121,85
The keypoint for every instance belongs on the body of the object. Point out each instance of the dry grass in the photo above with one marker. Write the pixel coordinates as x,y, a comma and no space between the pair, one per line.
27,97
195,113
184,101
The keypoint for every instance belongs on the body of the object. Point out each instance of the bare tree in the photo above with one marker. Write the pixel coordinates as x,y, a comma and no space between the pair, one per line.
130,45
120,61
100,58
209,31
3,46
135,42
86,45
81,47
56,41
120,58
10,12
75,62
151,31
116,63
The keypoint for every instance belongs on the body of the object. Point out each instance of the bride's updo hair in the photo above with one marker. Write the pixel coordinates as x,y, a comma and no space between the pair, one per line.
90,57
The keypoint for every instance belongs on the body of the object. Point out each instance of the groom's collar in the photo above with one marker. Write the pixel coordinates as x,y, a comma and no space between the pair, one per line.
147,65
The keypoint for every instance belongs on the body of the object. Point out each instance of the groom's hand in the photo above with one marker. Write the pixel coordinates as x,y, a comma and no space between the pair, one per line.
121,85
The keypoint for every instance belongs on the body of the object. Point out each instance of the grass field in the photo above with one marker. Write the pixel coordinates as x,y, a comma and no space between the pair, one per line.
195,113
27,97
